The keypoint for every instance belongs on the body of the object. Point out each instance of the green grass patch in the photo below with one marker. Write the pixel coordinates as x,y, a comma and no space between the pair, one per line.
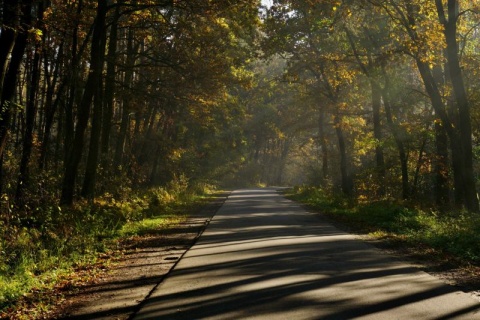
148,225
454,233
36,253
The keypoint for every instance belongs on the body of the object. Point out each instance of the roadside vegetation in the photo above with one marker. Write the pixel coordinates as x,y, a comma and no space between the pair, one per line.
452,234
51,252
115,115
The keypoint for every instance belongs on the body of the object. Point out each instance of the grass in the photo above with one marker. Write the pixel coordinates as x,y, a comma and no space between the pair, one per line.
456,234
145,226
38,255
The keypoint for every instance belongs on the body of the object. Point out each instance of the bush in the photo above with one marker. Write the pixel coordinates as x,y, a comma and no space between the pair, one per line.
52,240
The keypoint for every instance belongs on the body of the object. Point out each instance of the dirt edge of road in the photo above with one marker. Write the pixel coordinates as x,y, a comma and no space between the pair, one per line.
119,288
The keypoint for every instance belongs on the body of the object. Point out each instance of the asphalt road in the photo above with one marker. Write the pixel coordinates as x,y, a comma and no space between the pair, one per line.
264,257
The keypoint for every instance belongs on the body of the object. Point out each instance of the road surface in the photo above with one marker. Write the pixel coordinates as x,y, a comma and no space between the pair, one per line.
264,257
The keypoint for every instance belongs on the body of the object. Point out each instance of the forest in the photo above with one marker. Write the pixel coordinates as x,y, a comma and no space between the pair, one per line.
115,110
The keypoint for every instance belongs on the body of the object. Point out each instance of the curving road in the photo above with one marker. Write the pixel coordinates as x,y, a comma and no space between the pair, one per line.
264,257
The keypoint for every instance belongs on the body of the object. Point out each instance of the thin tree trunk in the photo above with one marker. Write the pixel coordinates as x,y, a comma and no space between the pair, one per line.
31,111
377,134
418,167
441,166
96,67
72,81
122,137
110,85
156,160
323,144
347,180
7,37
402,153
50,107
11,75
88,189
285,149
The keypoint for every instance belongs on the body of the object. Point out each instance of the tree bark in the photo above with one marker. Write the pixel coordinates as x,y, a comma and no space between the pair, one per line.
122,137
377,134
31,111
448,124
458,85
50,107
11,75
347,179
460,138
441,166
96,66
418,167
110,84
7,36
402,153
323,144
88,189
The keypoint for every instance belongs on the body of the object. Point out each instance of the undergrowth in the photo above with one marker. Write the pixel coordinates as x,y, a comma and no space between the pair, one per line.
454,233
38,252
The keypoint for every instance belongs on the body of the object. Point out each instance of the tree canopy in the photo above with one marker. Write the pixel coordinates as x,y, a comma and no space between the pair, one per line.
377,98
112,110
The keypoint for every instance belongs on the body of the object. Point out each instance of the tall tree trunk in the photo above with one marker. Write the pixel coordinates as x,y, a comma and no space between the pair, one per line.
377,134
347,179
12,68
72,80
441,165
97,58
50,107
458,85
402,153
323,144
8,35
60,137
440,159
463,173
110,84
418,167
122,137
88,189
153,178
31,111
449,124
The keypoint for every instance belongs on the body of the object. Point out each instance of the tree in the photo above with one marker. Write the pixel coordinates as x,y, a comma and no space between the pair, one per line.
31,107
422,32
97,55
305,33
449,23
13,42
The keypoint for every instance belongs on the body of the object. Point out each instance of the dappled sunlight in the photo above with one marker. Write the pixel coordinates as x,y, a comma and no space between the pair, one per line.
261,260
119,118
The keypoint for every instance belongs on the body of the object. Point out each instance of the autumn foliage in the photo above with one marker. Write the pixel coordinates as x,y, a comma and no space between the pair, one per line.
109,105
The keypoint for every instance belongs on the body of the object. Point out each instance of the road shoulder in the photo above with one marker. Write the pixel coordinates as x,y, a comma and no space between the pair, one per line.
118,289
